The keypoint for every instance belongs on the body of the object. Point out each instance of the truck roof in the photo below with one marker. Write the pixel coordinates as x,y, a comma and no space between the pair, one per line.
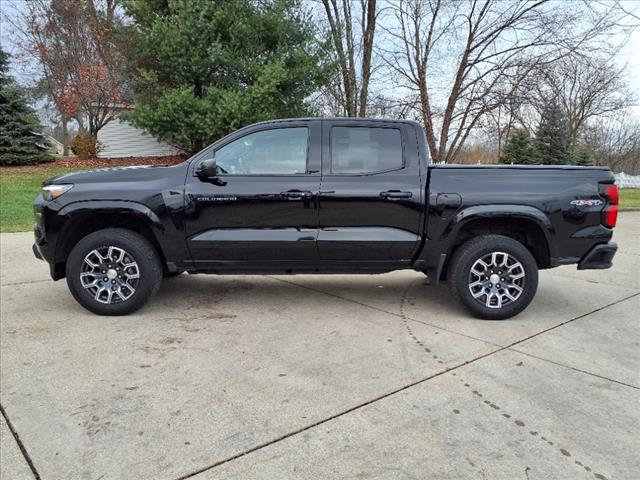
351,120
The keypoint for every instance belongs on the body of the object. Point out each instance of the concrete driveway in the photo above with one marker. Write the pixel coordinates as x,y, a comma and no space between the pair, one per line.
321,377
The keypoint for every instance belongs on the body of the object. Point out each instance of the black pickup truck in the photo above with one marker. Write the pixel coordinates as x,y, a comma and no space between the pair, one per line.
324,196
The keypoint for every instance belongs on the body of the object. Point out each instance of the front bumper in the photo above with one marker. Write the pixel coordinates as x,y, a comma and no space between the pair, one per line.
41,252
36,252
45,231
599,257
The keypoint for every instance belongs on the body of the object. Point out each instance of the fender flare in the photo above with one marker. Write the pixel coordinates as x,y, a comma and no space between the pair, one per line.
489,212
139,211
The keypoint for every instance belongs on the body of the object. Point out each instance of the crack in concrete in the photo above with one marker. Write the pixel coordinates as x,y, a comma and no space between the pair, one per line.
21,446
388,394
533,433
586,372
373,307
332,417
597,282
29,282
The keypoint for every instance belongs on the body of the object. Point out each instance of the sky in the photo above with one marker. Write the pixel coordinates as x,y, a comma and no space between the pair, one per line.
629,54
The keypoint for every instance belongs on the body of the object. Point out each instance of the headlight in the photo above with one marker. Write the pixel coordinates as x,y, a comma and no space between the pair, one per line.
51,192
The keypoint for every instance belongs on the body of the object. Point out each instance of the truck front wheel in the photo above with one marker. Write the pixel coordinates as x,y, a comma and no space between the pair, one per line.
493,276
113,271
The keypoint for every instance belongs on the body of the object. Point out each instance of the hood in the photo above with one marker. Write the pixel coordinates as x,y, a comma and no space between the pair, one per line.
112,174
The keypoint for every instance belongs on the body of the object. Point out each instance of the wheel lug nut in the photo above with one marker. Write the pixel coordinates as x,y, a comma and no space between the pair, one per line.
105,279
104,271
498,285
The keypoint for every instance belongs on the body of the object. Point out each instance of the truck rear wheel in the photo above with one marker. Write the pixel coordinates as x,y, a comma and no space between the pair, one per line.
113,271
493,276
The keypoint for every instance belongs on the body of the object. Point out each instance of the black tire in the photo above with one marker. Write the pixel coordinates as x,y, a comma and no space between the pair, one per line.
139,253
493,301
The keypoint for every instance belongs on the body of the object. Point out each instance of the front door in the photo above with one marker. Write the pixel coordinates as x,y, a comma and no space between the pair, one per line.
260,212
370,194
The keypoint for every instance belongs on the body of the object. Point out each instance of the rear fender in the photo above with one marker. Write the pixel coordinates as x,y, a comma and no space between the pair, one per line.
488,212
437,251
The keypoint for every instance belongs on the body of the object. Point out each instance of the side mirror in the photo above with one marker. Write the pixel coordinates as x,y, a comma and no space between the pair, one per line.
207,169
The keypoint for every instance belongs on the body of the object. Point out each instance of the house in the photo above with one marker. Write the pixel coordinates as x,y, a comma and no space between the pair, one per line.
54,147
120,138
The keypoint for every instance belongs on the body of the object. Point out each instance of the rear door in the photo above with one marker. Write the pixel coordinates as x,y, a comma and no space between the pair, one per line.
371,202
261,210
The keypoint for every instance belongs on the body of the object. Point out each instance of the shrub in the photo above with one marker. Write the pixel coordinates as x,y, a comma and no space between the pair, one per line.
85,146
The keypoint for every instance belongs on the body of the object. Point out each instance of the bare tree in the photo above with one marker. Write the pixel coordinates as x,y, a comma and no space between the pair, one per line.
74,45
615,143
584,88
465,58
353,51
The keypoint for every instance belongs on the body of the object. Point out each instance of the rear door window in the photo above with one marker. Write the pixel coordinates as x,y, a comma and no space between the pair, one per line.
365,150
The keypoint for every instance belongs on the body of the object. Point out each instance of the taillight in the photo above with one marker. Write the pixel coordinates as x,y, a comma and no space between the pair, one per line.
611,192
610,214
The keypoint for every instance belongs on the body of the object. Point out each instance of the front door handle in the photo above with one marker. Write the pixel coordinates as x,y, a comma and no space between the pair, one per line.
296,194
396,194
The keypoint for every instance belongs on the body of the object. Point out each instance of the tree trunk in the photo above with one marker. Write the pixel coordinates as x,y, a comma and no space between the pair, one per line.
65,136
369,32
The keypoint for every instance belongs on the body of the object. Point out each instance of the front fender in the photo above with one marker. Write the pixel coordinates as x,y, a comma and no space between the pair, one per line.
77,212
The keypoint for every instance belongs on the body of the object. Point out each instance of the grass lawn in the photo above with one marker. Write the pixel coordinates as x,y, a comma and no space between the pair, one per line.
18,188
630,198
20,185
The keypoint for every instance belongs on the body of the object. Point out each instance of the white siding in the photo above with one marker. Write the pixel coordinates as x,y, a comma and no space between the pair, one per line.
121,139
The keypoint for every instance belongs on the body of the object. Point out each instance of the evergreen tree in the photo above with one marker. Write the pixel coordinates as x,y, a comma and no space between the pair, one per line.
583,159
553,139
20,140
519,149
209,68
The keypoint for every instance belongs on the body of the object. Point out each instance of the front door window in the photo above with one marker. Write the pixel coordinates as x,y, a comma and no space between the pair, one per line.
281,151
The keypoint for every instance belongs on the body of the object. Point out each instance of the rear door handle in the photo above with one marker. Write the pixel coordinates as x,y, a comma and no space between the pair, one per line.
396,194
296,194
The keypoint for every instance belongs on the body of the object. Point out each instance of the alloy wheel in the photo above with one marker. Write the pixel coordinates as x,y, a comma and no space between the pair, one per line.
496,279
110,274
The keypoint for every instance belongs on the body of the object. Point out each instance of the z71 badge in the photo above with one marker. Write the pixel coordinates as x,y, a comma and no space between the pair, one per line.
586,203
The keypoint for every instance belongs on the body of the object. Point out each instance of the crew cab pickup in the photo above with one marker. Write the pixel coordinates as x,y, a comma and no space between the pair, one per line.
324,196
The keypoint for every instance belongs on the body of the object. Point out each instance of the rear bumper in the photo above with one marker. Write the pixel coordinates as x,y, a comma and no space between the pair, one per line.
599,257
